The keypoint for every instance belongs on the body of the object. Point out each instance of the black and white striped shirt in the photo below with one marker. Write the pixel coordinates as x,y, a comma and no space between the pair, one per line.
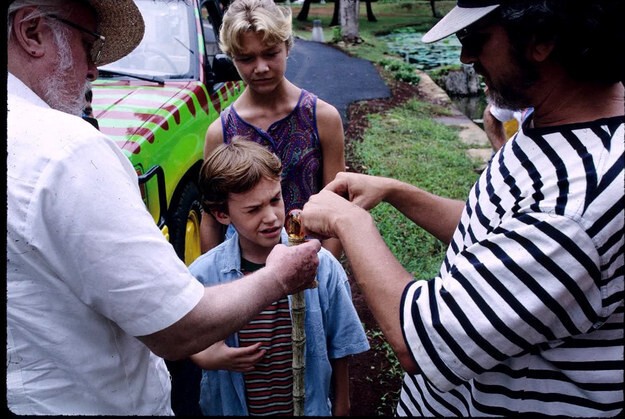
526,315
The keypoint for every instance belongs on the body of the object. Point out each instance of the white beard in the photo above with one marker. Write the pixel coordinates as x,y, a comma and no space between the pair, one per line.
56,91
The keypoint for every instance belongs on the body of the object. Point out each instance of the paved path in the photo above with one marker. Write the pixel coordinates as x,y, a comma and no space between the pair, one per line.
333,75
340,79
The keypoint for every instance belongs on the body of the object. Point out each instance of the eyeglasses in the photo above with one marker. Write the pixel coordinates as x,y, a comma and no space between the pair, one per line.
98,44
472,40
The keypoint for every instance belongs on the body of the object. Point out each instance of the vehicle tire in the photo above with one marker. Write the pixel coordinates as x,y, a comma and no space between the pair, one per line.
184,224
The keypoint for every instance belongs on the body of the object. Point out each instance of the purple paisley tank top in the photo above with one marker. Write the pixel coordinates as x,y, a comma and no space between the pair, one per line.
295,140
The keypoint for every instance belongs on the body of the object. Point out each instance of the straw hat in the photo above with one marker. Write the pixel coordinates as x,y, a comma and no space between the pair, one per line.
120,21
464,14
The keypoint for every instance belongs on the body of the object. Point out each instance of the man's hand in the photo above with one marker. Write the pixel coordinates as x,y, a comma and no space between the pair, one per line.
295,266
327,214
363,190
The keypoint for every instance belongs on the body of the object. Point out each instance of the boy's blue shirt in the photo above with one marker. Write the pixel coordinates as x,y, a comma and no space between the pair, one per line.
333,330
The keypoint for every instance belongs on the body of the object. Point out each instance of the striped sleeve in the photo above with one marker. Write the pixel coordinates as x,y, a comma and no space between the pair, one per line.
526,284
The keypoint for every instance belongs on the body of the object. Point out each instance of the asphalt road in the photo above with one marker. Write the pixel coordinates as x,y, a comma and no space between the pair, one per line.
333,75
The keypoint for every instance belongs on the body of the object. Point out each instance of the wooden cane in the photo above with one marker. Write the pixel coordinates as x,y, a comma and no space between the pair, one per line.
298,315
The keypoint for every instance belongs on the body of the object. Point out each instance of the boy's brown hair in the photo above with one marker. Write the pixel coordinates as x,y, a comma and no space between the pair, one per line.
235,167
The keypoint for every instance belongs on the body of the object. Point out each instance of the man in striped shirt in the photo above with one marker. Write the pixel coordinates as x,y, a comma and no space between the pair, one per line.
526,313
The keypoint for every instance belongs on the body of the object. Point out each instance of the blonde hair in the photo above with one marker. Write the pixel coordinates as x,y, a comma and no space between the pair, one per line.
259,16
235,167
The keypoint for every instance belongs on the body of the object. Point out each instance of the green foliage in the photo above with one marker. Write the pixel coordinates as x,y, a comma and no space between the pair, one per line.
401,71
337,34
408,76
390,14
392,64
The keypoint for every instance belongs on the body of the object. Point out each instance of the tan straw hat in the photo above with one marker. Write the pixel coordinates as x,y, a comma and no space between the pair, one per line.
464,14
121,23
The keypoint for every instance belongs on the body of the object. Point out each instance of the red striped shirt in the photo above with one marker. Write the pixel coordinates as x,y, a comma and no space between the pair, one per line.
269,388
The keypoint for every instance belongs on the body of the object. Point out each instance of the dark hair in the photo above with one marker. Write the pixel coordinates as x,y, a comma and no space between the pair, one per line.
588,34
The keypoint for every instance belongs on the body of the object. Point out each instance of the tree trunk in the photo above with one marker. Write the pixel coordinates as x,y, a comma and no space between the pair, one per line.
433,6
370,15
336,14
303,14
349,21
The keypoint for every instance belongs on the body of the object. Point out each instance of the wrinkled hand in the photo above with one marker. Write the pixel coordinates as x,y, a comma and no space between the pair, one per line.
295,266
363,190
220,356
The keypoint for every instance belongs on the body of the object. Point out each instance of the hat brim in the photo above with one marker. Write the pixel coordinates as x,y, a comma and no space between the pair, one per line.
121,23
458,18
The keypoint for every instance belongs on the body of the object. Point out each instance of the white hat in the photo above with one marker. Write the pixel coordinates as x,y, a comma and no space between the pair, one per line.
464,14
121,23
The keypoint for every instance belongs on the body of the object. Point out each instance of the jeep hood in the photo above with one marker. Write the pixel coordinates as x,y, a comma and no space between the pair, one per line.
131,113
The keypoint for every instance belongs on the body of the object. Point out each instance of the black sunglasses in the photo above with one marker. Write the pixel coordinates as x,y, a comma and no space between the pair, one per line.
472,41
98,44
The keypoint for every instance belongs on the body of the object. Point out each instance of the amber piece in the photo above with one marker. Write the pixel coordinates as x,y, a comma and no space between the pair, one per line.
293,225
295,231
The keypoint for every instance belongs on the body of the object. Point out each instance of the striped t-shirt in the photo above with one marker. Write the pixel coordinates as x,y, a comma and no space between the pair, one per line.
526,314
269,387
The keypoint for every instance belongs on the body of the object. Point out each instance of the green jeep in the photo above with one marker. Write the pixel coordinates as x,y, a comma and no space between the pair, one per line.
157,104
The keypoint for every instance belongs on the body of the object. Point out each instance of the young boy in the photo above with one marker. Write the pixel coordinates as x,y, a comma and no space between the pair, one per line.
250,372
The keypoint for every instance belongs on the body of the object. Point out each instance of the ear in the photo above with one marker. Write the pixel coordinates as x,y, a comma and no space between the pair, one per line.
221,217
28,32
539,51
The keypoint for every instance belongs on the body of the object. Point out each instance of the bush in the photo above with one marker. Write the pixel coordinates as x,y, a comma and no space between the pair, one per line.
400,70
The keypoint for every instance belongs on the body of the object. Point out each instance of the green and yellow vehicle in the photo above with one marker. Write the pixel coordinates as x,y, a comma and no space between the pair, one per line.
157,103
